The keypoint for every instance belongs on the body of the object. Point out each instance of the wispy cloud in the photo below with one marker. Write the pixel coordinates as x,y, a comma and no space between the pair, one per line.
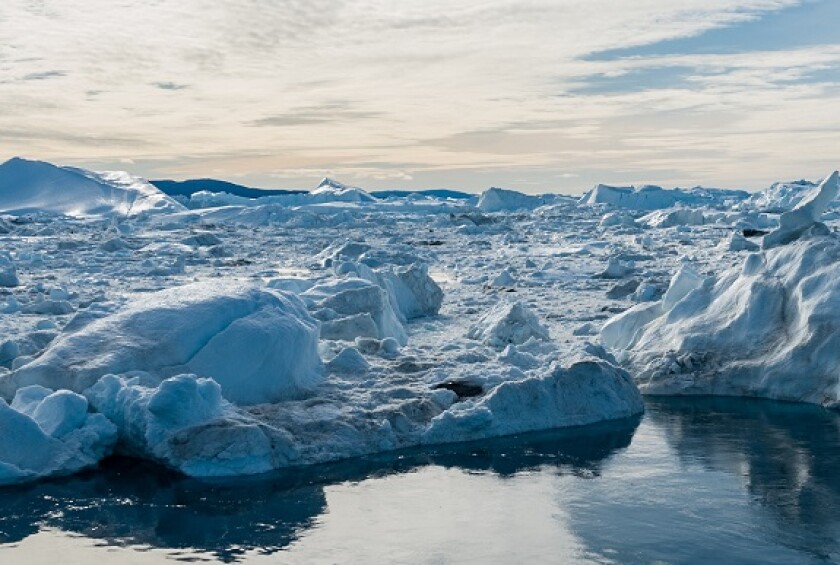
329,113
44,75
170,85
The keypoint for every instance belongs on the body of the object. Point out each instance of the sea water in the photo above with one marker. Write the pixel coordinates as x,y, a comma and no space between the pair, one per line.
692,481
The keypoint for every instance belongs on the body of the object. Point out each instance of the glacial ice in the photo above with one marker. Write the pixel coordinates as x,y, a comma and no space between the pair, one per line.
8,273
354,307
805,215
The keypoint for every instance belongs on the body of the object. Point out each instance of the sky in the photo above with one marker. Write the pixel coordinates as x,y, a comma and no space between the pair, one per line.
534,95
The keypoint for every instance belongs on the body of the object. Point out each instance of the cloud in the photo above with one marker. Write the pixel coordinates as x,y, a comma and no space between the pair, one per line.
526,89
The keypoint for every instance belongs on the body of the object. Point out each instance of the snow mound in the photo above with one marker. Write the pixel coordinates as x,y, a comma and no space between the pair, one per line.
35,186
259,345
585,393
502,200
767,329
45,433
506,323
185,423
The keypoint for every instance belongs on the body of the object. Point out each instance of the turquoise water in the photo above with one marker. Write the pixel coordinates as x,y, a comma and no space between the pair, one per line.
695,480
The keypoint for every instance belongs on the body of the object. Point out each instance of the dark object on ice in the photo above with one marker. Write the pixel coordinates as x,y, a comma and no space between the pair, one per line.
613,309
752,232
621,290
463,389
429,242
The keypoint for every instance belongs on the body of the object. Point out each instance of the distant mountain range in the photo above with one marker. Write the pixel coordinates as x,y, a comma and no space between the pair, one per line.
189,187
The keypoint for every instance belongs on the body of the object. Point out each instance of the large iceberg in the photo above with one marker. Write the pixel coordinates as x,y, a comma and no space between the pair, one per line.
32,186
260,345
768,328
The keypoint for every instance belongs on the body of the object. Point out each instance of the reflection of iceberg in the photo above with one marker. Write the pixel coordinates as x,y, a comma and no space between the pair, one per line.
135,503
132,502
786,454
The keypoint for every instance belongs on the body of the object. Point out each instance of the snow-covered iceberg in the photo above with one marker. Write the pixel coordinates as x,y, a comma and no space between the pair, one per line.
768,328
584,393
35,186
260,345
651,197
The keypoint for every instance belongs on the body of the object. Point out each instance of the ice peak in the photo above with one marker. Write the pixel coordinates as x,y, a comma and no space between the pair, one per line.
327,182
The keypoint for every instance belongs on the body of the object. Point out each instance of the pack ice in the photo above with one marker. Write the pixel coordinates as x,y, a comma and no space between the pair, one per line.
240,335
767,327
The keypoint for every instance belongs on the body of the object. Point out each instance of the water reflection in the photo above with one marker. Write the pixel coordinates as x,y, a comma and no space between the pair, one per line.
133,503
786,455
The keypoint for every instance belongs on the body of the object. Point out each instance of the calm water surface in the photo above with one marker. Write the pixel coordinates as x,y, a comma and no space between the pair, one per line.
695,481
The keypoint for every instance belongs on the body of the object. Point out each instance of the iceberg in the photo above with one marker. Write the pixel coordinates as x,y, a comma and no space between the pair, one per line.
260,345
584,393
766,328
35,186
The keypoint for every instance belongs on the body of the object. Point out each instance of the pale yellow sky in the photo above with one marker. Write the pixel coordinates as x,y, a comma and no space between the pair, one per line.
432,93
